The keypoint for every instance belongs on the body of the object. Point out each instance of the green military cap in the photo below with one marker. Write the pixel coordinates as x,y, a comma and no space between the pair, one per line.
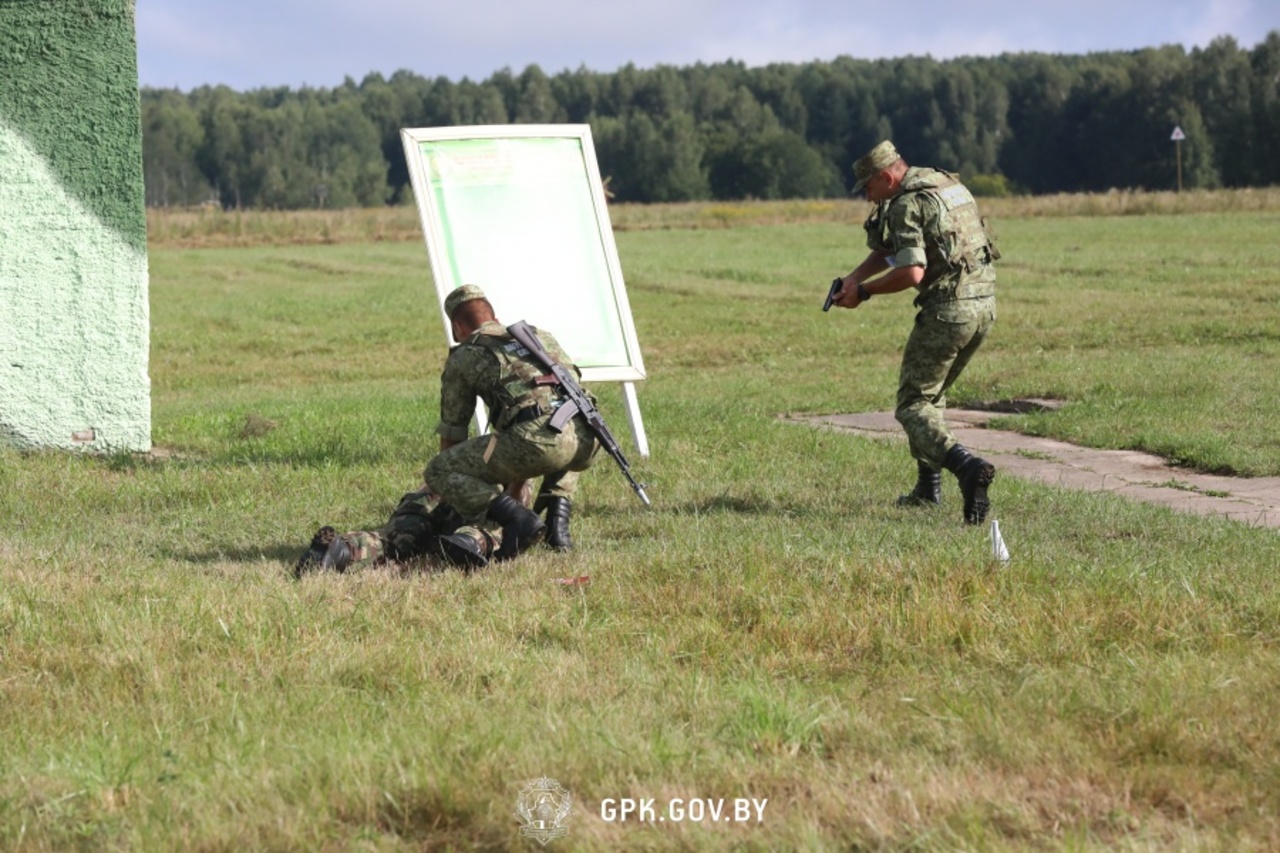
459,295
876,160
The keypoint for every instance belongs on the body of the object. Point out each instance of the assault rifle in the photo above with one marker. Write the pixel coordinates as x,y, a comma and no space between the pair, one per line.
576,403
832,293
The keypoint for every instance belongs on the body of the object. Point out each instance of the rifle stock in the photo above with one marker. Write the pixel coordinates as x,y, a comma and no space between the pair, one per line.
576,403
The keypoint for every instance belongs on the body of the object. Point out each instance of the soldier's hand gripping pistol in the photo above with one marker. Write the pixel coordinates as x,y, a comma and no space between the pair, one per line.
836,287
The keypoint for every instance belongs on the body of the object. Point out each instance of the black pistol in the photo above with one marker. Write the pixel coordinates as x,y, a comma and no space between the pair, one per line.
836,285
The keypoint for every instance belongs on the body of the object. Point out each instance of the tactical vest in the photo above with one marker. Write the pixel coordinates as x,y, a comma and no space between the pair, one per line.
517,387
962,246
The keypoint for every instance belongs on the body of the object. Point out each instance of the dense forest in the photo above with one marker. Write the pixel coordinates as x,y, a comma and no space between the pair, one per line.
1034,123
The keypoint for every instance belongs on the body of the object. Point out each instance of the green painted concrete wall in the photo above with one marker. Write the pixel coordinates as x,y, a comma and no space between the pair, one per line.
74,321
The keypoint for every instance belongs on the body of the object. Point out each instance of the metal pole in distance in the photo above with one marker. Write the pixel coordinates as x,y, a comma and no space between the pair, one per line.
1177,138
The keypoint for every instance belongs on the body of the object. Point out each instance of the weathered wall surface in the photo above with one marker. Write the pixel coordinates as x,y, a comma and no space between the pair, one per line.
74,323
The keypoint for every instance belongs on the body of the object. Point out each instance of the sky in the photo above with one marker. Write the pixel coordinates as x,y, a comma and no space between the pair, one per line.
248,44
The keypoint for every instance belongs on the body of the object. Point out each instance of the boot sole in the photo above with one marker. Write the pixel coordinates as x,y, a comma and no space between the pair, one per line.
976,504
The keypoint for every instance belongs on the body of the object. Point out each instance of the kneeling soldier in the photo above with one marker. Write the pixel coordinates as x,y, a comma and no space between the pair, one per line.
469,473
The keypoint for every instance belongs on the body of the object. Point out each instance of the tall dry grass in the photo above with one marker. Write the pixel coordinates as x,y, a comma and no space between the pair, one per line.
213,227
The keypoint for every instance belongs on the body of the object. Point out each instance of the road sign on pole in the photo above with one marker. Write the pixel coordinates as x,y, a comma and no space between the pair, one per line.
1177,138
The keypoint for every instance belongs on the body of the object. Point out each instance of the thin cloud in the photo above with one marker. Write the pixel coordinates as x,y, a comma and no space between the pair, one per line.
254,43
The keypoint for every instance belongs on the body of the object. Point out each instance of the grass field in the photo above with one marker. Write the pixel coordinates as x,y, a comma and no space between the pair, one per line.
774,628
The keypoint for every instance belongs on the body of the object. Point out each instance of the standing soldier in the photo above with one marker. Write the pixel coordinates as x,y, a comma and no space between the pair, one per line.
925,232
521,398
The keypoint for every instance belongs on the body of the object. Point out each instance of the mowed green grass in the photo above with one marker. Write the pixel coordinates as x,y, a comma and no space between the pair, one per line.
773,628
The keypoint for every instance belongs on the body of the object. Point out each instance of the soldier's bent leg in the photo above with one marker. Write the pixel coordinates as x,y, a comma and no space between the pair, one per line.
463,477
558,484
470,475
942,342
555,498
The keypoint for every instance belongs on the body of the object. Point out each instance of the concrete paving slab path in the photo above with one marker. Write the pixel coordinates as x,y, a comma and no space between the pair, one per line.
1132,474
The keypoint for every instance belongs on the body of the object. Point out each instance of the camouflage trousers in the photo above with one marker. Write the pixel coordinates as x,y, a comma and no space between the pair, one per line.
471,474
409,535
945,337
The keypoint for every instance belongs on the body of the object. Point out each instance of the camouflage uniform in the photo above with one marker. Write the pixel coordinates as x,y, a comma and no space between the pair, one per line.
933,222
408,538
493,366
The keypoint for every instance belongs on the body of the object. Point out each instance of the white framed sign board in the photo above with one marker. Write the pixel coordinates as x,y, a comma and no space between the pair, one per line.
520,211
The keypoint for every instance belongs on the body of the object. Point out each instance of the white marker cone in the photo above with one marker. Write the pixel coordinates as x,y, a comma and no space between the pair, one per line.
998,550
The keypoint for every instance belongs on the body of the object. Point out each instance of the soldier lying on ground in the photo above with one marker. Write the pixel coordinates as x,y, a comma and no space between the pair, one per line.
417,534
527,441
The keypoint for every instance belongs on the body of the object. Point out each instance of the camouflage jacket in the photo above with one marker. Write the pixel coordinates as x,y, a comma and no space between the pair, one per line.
495,367
933,222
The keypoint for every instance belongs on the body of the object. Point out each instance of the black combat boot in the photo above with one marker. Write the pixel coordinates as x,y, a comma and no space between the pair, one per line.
558,524
975,475
521,528
458,549
928,490
314,556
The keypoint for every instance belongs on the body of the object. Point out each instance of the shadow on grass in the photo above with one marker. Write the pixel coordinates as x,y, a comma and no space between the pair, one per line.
288,554
718,504
302,456
753,505
1024,406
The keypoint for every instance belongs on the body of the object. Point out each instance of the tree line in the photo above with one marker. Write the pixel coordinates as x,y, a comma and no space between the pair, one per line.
1027,122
